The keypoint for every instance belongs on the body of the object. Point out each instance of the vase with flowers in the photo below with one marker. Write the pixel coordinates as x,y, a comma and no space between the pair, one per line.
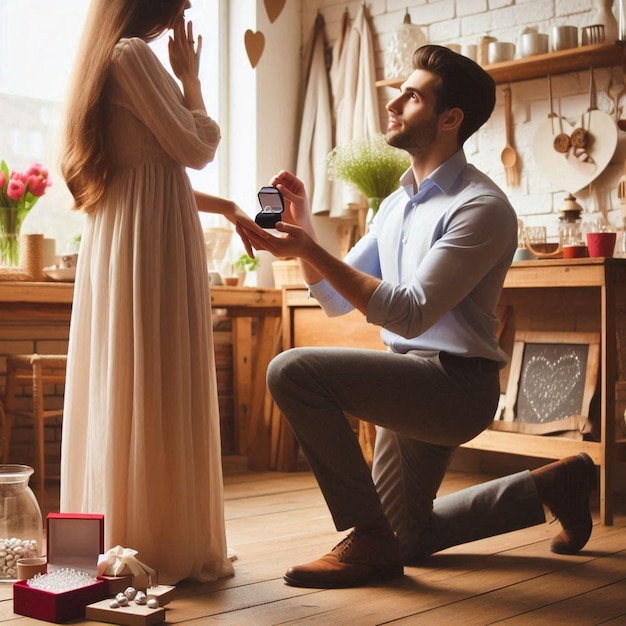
372,166
19,192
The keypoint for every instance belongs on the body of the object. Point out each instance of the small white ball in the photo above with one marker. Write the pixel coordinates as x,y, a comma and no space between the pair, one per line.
114,604
122,599
153,603
130,593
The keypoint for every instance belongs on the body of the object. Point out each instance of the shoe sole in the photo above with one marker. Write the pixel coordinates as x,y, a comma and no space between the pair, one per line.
345,584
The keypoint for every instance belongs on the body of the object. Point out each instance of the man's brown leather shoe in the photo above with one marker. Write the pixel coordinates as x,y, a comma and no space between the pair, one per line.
564,487
363,557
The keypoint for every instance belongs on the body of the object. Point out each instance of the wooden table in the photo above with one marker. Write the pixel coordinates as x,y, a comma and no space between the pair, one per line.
50,301
578,295
251,359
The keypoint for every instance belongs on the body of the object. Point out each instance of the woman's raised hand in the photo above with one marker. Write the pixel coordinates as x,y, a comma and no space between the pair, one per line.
184,53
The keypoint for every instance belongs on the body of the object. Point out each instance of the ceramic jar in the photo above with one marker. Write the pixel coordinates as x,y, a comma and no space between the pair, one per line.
603,14
399,53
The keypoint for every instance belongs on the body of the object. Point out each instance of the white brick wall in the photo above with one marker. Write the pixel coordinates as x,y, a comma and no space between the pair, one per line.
537,201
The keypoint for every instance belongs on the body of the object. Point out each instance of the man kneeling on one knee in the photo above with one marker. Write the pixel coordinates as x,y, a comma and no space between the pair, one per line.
429,272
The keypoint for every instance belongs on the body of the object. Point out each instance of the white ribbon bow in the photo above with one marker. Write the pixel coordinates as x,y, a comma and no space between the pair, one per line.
119,561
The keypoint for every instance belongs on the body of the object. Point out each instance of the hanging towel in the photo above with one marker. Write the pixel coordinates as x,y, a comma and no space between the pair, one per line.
316,129
338,207
356,101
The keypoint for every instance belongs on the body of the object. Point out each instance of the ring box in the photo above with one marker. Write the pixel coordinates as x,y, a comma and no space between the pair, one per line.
73,541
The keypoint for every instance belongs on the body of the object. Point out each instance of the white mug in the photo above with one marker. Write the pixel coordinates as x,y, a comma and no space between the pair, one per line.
469,51
499,51
534,43
563,38
68,261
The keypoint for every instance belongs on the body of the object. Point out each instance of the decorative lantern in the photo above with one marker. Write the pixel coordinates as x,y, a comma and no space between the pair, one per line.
404,41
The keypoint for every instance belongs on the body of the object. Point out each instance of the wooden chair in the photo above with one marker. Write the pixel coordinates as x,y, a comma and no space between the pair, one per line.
36,371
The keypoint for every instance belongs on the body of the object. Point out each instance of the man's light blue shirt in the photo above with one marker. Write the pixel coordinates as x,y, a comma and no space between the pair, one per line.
442,255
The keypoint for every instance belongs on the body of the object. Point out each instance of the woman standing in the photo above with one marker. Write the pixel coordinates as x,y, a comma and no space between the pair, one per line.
141,441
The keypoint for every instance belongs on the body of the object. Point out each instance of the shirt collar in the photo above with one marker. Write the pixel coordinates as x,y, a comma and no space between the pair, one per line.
443,177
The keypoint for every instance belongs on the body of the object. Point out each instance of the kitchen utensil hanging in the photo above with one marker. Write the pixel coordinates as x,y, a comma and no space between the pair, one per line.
581,139
564,169
621,189
509,156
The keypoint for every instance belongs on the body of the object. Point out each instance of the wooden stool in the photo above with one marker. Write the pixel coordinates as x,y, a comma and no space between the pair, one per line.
36,370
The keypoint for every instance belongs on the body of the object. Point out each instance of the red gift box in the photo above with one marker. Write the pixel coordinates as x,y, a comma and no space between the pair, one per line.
73,541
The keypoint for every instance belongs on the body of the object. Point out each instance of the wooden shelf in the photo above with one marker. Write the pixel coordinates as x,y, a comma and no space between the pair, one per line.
540,65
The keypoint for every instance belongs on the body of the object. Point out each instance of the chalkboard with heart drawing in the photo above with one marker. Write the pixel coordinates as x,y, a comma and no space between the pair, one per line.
552,381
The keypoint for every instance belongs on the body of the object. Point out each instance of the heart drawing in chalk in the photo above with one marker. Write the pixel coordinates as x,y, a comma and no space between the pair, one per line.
548,386
255,42
273,8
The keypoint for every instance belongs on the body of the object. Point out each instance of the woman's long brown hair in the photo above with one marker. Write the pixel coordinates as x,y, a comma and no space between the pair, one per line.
85,161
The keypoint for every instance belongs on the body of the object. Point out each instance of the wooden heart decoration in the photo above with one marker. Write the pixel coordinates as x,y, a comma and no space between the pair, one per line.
255,42
273,8
562,171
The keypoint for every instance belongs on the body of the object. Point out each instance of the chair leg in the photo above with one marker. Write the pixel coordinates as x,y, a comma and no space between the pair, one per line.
40,469
3,430
9,407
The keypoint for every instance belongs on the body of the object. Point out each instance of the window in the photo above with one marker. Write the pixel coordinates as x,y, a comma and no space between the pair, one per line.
38,45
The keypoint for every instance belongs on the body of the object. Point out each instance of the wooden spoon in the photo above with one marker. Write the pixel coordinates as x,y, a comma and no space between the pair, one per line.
509,155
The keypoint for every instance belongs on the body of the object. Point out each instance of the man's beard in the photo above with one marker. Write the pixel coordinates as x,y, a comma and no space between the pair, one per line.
415,138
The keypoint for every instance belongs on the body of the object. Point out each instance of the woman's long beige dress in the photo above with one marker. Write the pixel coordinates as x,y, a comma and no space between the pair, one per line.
141,440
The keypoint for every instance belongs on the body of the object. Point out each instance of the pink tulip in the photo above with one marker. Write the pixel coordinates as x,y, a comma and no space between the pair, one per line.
15,175
37,169
15,189
3,179
37,186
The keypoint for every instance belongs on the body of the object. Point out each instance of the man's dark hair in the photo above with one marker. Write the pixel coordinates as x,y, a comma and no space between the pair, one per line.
462,83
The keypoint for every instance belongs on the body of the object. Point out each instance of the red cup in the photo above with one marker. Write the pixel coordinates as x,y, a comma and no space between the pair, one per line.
575,252
601,244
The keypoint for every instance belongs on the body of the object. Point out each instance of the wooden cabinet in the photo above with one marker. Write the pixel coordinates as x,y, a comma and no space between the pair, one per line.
580,295
540,65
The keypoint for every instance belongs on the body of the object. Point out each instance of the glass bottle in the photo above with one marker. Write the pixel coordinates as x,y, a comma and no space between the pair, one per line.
21,528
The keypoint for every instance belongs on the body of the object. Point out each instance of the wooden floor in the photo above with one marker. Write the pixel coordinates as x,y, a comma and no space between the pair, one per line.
275,520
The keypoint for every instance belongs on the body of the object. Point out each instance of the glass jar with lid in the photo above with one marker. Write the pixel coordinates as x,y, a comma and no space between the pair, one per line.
571,233
21,528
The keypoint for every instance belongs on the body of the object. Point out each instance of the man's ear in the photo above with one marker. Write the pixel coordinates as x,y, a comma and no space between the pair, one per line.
451,119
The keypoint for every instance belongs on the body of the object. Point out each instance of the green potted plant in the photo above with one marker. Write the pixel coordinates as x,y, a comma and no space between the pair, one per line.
371,166
243,265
